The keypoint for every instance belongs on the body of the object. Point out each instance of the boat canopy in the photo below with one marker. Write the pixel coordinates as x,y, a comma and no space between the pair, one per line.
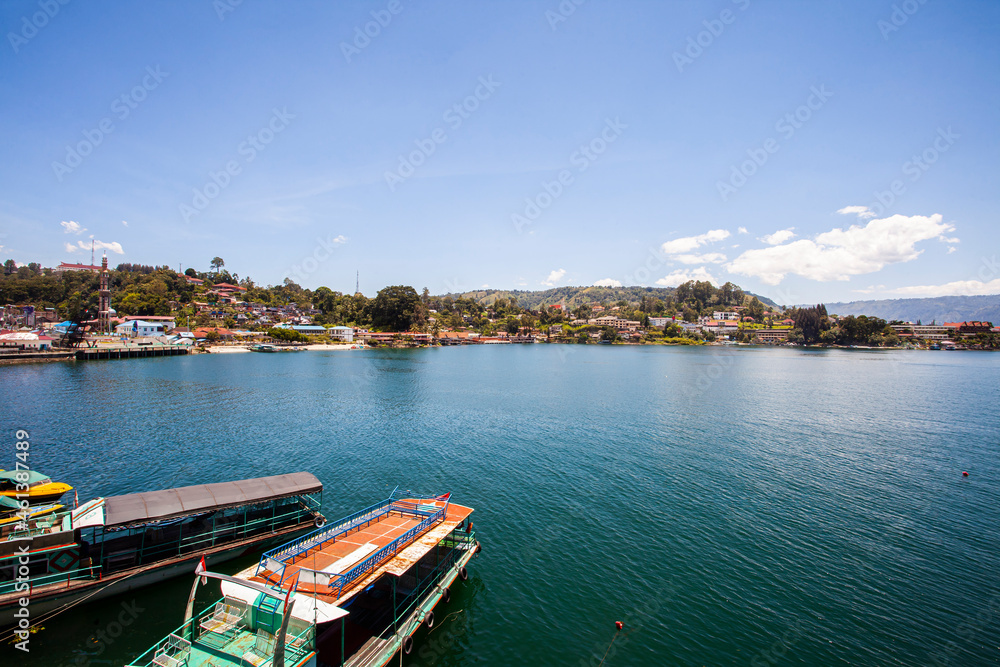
34,477
8,503
171,503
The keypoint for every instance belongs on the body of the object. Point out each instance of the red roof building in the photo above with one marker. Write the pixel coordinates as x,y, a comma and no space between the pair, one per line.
63,266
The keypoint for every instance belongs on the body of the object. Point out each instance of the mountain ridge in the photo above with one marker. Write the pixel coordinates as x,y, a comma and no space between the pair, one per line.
985,308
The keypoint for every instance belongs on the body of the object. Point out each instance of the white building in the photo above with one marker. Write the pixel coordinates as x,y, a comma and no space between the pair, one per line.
136,328
926,331
25,340
725,315
344,334
660,321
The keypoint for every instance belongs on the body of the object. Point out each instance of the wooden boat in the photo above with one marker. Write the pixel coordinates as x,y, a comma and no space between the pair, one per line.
120,543
13,514
38,488
349,594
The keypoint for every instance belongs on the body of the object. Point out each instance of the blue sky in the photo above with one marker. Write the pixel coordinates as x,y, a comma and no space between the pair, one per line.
511,144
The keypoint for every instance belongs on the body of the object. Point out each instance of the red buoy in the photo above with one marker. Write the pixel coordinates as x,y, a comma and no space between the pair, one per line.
619,625
965,474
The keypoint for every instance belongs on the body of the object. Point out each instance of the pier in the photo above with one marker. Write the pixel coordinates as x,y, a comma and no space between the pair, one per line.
129,352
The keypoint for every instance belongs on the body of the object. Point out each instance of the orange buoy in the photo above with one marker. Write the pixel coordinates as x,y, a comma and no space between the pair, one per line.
619,625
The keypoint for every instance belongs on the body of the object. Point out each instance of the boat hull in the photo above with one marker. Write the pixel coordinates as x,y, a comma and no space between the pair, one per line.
54,596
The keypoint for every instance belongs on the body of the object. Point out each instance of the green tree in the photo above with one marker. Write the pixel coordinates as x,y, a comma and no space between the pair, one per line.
812,322
394,308
217,263
755,309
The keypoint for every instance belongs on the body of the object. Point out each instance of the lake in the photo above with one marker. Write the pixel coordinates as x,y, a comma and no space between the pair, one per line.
731,506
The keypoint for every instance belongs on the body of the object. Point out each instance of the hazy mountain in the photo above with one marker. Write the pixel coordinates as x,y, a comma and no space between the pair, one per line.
939,309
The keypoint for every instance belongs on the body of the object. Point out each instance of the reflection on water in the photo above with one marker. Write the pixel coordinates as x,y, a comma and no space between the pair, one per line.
729,504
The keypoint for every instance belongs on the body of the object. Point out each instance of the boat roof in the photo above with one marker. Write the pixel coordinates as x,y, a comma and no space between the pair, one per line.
34,477
170,503
335,556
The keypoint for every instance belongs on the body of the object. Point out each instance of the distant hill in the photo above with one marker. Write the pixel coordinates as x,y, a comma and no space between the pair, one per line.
572,297
939,309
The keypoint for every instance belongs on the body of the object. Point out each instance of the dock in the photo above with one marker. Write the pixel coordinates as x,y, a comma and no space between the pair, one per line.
129,352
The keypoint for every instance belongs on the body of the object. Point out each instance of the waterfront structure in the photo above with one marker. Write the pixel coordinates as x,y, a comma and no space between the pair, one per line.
616,323
136,328
120,543
390,337
926,331
26,340
770,335
353,593
343,334
168,321
104,299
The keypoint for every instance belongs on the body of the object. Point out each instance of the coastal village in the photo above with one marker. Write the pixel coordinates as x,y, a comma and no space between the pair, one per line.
214,311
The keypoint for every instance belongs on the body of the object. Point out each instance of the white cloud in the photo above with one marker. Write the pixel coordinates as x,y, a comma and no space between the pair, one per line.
683,275
956,288
707,258
340,240
742,230
72,227
862,212
951,250
947,239
70,248
778,237
486,286
554,277
124,223
839,254
113,246
608,282
689,243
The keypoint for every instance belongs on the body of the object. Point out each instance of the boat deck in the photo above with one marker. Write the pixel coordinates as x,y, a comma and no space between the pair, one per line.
341,555
316,564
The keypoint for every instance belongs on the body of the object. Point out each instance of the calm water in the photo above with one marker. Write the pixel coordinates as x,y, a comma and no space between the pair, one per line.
732,506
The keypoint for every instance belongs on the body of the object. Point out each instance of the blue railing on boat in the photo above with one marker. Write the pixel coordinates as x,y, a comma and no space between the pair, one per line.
300,642
338,582
277,560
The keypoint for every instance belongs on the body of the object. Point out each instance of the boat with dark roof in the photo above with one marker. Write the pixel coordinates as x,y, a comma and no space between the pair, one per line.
351,594
120,543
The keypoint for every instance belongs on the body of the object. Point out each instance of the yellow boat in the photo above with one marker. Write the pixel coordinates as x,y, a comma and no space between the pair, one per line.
9,512
41,488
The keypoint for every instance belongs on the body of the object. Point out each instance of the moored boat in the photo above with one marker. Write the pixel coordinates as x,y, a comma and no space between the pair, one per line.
31,485
120,543
349,594
13,514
